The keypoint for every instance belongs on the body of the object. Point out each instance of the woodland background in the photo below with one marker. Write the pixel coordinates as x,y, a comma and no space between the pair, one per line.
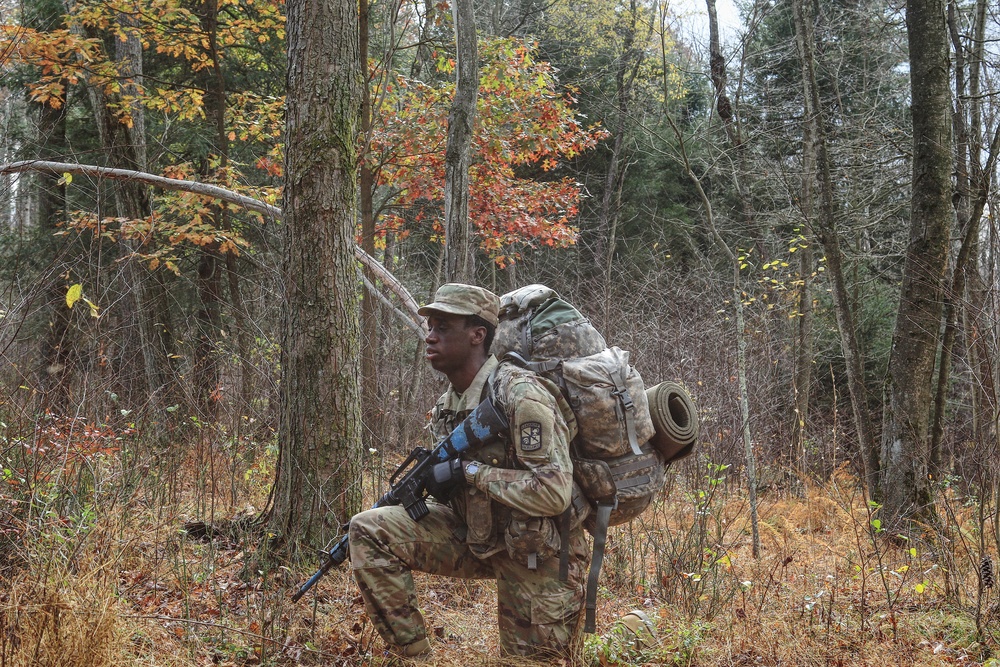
197,388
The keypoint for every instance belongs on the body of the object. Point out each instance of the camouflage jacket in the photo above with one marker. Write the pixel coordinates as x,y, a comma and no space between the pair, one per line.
528,476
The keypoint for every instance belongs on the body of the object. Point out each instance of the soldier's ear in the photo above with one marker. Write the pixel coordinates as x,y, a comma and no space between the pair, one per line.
477,335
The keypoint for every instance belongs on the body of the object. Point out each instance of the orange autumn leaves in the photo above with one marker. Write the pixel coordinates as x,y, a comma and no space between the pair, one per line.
525,128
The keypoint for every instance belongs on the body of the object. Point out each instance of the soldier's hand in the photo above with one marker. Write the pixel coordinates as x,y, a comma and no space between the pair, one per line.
446,477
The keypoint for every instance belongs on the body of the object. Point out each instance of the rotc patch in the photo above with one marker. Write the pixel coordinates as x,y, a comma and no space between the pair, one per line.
531,436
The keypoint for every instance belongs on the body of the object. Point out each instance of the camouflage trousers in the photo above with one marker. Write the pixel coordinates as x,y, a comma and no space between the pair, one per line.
537,613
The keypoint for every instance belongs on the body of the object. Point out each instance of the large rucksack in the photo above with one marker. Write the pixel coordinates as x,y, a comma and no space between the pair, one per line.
621,450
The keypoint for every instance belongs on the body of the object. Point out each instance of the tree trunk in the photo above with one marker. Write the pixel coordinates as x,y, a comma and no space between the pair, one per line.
210,264
55,370
371,403
459,248
425,54
607,225
802,378
317,488
718,74
126,148
829,237
973,187
905,434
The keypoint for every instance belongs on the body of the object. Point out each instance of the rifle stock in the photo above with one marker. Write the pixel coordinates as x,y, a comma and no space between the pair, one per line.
408,485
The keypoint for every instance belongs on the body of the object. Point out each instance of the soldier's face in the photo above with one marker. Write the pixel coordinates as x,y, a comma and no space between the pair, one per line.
449,342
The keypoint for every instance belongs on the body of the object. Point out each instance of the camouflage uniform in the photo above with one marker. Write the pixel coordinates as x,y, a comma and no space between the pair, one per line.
504,525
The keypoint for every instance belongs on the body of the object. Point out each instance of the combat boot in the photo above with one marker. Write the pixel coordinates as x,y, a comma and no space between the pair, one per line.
417,653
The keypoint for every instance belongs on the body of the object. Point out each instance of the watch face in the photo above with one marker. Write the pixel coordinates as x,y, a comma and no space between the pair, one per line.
472,468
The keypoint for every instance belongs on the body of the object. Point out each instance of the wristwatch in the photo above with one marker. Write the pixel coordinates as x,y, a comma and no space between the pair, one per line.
471,468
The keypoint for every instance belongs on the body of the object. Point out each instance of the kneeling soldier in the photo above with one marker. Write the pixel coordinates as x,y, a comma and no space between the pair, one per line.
506,522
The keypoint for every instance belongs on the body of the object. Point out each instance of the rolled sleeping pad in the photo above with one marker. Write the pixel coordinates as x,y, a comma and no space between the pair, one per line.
675,419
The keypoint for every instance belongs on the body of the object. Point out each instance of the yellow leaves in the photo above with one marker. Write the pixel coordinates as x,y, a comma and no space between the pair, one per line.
65,179
185,104
75,294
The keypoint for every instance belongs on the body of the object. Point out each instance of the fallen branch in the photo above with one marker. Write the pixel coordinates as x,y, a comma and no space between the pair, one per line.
215,192
205,189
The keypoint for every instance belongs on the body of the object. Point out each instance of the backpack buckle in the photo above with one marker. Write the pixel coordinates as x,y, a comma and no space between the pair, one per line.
625,399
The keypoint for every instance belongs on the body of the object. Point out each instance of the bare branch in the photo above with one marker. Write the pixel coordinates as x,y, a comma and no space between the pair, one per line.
272,212
206,189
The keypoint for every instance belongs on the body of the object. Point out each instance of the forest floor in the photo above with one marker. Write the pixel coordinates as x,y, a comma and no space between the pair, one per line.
122,583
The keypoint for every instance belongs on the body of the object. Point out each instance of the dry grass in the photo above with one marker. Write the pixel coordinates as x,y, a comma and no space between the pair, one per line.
125,586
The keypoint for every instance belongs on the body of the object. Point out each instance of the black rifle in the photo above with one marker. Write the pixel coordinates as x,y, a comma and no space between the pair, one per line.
427,473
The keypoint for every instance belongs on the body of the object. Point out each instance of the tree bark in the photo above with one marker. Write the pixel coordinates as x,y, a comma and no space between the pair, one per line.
317,488
629,63
905,434
210,264
425,53
459,248
802,378
973,188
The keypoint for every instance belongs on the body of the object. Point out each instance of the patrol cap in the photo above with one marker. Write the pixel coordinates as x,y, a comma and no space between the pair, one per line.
461,299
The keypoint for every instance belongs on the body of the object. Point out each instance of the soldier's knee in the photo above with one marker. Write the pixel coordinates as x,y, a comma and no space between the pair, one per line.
363,524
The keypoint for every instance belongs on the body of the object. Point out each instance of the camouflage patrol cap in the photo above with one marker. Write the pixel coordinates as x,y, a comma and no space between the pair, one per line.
460,299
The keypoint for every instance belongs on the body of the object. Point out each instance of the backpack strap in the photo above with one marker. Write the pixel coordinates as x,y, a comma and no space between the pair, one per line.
600,533
564,543
630,465
578,505
625,409
534,366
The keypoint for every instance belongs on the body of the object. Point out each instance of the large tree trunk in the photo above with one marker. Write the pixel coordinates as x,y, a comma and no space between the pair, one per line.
318,489
459,247
905,433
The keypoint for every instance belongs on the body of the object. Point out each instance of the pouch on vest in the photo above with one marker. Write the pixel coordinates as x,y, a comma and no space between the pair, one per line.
531,540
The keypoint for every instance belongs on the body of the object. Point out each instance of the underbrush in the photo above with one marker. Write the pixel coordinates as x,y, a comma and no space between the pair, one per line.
99,570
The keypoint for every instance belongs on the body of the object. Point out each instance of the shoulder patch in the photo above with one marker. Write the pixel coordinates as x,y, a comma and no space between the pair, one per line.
531,436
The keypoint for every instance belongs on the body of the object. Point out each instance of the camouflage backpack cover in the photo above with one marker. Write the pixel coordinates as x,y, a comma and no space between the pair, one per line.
616,462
